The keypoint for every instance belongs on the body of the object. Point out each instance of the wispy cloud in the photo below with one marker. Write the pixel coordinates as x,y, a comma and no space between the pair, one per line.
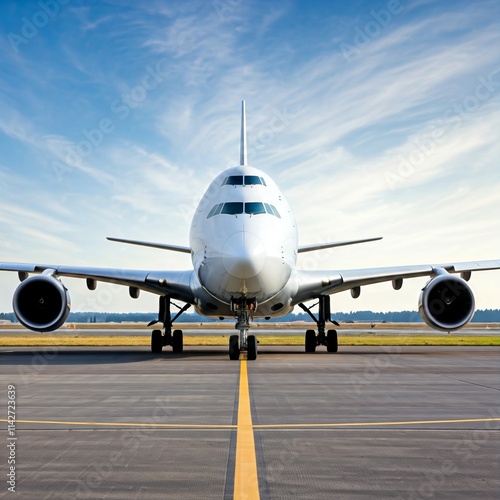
394,140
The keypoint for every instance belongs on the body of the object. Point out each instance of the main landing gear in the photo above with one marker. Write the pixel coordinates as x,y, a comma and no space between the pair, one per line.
172,338
243,309
327,338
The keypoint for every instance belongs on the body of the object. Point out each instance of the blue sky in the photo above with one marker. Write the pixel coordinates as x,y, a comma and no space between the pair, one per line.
377,118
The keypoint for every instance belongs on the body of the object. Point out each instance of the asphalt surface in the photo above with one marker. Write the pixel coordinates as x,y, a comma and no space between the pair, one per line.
367,422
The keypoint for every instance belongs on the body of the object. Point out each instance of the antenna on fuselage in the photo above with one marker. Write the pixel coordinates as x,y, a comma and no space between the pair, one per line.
243,141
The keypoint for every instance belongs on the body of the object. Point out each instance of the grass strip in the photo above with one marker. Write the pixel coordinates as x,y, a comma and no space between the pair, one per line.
264,340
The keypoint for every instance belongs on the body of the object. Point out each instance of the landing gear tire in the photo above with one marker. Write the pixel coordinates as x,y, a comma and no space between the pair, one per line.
234,347
177,341
332,342
310,341
156,341
251,348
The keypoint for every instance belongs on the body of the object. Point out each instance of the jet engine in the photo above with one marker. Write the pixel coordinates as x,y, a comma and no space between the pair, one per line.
446,302
41,303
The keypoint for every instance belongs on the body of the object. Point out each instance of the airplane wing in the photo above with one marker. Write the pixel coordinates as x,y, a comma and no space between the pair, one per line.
174,283
312,284
322,246
163,246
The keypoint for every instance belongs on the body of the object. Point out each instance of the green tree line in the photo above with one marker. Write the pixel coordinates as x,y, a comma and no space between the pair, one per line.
481,316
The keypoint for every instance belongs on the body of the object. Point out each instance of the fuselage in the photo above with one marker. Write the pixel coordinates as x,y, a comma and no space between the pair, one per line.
244,243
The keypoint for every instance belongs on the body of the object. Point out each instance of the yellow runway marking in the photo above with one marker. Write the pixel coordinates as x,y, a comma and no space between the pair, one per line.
366,424
258,426
128,424
246,481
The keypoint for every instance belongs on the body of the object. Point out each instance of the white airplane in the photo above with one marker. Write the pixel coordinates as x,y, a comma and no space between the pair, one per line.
244,248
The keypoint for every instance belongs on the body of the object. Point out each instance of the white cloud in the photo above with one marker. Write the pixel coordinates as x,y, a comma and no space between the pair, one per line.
346,125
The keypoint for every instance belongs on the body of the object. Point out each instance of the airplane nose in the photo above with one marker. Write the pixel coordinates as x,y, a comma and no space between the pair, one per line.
243,255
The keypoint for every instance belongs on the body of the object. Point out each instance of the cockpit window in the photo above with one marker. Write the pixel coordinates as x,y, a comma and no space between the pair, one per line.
247,180
275,211
255,208
233,208
215,210
233,180
252,180
238,207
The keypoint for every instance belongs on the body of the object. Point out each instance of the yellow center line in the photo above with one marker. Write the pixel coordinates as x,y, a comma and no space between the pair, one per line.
246,481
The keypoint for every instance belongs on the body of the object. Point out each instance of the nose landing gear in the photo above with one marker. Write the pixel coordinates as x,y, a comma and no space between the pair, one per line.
243,343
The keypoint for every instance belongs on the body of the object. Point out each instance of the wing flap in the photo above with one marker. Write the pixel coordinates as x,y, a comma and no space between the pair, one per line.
484,265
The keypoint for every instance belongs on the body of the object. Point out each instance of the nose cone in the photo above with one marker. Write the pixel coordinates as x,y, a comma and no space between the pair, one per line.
244,255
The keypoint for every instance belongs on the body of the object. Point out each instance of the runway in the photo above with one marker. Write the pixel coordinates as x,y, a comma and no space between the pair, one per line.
367,422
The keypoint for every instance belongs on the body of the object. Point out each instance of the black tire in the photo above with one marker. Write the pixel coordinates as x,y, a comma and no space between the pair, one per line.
251,348
177,341
234,347
332,342
311,341
156,341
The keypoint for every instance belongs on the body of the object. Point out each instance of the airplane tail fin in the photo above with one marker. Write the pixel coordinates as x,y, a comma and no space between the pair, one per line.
243,141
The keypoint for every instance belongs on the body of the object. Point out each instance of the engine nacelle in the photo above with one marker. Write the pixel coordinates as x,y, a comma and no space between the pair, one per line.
41,303
446,302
